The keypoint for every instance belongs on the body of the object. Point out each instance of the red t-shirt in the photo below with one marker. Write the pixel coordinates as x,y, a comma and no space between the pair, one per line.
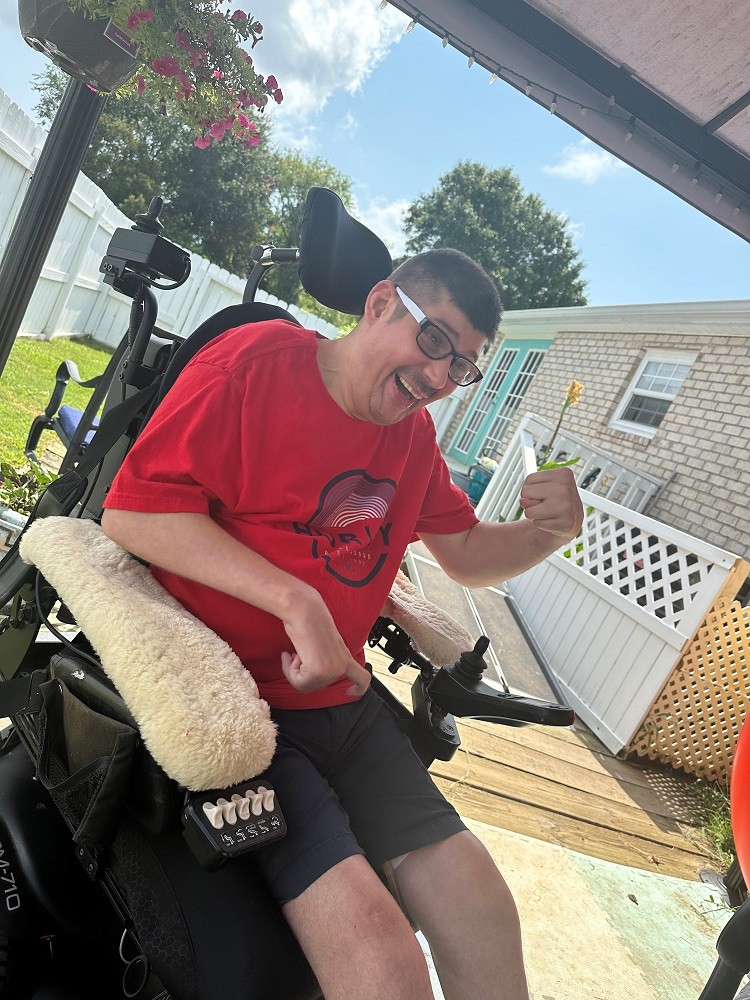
250,435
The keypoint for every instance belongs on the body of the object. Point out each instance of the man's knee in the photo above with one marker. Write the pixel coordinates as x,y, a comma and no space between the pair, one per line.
347,916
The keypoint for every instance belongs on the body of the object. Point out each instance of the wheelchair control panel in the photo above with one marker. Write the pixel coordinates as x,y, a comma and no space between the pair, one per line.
222,825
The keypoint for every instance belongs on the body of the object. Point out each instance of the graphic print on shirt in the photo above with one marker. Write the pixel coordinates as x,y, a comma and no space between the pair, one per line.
349,530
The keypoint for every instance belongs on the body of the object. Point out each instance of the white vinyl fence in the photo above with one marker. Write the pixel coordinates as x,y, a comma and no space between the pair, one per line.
70,297
613,609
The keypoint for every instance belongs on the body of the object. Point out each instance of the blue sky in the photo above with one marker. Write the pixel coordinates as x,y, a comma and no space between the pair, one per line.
397,111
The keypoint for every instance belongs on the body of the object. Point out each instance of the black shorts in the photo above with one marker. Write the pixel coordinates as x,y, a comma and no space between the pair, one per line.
348,782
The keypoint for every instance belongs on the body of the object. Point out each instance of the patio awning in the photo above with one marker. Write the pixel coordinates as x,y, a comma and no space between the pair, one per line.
662,86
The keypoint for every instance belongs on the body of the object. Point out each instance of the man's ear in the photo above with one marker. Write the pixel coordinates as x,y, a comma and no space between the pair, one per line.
380,299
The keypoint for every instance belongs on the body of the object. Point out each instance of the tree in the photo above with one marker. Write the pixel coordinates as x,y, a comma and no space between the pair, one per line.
524,246
293,176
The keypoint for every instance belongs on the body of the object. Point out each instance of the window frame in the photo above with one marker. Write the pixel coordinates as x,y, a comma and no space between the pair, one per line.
652,355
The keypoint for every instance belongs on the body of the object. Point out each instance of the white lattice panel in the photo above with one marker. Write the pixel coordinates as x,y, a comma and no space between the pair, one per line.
660,576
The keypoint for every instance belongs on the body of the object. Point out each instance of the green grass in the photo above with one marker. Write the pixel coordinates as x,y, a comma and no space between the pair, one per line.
716,820
28,380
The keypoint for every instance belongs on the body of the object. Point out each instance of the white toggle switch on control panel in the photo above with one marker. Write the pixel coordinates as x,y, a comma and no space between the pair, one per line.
243,806
214,814
229,810
256,801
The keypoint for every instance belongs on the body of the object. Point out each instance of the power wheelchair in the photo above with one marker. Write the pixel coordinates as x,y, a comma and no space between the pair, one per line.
91,827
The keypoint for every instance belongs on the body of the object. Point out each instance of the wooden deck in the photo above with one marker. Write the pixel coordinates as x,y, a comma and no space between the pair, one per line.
564,787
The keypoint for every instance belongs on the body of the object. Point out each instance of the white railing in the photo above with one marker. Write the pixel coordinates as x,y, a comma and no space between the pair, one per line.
602,474
613,609
70,297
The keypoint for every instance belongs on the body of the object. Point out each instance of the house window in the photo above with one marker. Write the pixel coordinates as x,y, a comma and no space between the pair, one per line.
650,394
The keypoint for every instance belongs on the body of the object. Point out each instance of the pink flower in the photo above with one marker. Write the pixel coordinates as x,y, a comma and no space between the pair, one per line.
217,130
243,120
278,96
141,85
182,40
137,16
272,83
257,28
203,142
239,15
185,89
217,74
166,66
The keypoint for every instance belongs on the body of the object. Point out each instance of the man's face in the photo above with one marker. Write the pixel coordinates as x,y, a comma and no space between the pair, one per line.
399,376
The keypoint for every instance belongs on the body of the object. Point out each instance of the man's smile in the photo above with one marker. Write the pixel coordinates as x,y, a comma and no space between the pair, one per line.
411,390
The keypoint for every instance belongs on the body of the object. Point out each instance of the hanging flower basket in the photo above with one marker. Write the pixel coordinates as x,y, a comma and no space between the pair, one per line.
94,51
192,56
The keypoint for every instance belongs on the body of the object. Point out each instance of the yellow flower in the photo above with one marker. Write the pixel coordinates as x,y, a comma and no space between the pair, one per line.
573,393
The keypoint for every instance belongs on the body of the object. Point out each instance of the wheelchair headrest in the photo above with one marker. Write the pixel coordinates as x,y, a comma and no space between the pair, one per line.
339,259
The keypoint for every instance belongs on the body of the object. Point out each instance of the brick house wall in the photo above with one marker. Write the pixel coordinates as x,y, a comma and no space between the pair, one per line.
700,448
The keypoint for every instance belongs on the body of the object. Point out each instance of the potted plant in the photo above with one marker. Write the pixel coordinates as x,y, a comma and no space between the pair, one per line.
193,55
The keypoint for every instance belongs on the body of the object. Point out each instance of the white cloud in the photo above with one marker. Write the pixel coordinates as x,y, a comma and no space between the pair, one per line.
317,47
575,229
346,128
386,219
585,162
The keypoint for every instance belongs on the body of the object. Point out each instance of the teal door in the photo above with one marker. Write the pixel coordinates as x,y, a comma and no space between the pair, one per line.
497,400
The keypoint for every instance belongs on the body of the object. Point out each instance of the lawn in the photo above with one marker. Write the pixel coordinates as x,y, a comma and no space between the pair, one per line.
27,382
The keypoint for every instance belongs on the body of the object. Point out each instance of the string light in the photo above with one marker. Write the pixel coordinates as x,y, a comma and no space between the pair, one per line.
516,79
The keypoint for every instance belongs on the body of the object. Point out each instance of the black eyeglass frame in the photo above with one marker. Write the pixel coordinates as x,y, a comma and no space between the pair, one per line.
416,313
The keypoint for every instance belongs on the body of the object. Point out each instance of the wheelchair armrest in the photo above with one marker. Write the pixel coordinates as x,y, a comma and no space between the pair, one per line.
67,371
454,691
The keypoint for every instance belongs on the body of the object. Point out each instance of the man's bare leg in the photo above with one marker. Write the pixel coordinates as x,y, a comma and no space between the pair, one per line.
356,938
455,894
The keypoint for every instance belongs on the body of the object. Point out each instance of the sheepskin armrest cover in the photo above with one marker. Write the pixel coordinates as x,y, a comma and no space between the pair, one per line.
197,707
434,633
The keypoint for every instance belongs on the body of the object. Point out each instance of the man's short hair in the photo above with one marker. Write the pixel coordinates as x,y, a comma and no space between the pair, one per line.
467,284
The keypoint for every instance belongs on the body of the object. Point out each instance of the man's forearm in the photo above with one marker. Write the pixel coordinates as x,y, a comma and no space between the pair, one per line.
194,546
490,553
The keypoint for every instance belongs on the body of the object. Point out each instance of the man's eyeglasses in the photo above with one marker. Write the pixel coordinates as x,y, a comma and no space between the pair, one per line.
436,344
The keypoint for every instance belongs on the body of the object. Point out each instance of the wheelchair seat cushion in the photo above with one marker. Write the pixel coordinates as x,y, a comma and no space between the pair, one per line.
197,707
70,417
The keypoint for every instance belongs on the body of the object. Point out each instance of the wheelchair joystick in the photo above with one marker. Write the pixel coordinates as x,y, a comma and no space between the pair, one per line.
149,222
471,664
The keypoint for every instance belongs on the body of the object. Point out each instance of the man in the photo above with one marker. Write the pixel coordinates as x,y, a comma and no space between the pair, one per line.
274,493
